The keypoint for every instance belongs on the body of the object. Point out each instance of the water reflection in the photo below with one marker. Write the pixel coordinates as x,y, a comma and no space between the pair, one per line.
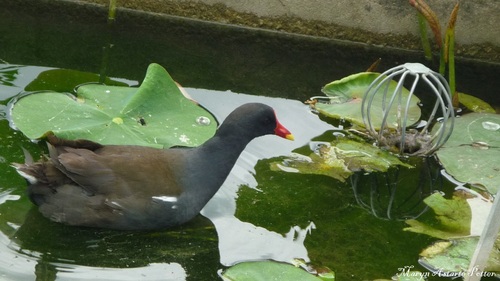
13,78
33,247
398,193
23,264
5,196
52,251
243,241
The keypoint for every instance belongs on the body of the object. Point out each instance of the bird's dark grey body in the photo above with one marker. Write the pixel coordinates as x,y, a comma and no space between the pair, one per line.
133,187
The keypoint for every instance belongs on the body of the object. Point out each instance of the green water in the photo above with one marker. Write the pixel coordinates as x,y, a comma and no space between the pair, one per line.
208,60
264,204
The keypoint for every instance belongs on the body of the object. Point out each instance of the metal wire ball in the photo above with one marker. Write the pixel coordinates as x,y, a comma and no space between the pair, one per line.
409,137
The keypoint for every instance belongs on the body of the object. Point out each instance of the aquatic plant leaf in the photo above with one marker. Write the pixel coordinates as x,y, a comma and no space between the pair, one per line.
471,153
453,257
155,114
346,96
475,104
450,35
340,159
453,215
431,17
426,45
443,256
266,270
314,165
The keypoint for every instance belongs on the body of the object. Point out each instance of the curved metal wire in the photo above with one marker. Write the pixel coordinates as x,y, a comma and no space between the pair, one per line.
398,194
441,115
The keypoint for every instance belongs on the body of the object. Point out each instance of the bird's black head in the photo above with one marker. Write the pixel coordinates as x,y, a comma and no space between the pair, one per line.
253,120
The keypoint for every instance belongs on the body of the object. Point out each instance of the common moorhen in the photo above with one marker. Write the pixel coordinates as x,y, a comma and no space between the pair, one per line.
134,187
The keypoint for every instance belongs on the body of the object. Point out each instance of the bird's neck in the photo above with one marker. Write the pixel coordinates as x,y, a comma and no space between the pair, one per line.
212,162
222,152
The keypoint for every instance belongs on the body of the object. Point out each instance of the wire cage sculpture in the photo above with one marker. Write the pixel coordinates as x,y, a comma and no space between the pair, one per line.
392,117
410,138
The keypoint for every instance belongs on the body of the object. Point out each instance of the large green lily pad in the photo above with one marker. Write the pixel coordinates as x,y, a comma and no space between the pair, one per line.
265,271
340,159
346,96
472,153
155,114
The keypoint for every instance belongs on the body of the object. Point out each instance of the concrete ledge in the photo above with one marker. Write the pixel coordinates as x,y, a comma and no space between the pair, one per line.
379,22
204,54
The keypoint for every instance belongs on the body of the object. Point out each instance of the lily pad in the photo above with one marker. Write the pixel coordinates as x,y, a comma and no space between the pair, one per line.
472,152
453,215
461,220
475,104
452,258
266,270
155,114
346,96
339,159
465,214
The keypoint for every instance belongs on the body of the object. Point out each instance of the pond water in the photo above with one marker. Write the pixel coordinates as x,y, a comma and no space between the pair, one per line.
258,213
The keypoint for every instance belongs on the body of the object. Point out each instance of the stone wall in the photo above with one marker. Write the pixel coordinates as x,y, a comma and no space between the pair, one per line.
380,22
477,23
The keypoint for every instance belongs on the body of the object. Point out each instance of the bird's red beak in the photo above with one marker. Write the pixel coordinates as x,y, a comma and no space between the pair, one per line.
283,132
